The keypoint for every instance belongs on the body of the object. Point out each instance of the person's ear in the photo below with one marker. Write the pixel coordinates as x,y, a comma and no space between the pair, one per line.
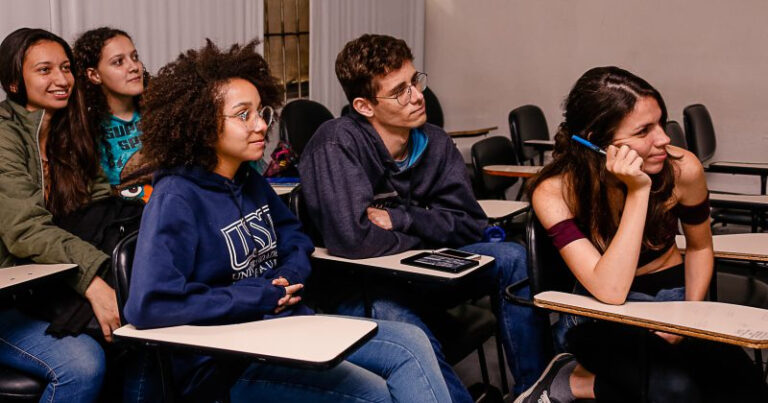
14,88
93,76
363,106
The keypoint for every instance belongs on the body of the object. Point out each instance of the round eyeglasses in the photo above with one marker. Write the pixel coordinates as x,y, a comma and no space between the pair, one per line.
266,113
403,97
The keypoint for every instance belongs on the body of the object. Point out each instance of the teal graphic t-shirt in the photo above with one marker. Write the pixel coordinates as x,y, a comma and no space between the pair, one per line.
119,142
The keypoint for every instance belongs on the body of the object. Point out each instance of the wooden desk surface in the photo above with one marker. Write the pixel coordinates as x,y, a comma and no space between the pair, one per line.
727,323
473,132
391,264
749,168
282,189
749,247
739,201
502,209
13,276
518,171
540,144
317,341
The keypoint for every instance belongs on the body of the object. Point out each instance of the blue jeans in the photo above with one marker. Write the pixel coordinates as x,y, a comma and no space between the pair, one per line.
397,365
73,366
521,328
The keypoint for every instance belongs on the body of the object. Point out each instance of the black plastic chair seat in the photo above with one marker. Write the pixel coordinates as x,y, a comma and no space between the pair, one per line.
461,329
17,386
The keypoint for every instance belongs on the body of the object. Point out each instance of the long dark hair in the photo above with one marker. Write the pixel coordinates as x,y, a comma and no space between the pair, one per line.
71,151
87,50
594,108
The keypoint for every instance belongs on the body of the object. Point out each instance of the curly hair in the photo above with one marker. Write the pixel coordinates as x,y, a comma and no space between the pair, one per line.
601,98
71,150
183,104
87,51
366,57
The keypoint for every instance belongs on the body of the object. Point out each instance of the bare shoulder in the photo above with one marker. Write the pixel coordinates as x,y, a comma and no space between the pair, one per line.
549,201
690,181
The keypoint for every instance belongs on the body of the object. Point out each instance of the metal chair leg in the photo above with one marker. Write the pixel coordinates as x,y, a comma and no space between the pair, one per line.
483,365
502,365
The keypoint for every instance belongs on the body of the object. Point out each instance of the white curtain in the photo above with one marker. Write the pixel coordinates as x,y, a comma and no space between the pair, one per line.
161,30
333,23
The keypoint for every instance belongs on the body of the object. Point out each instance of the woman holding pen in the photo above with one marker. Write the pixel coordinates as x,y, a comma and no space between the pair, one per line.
613,216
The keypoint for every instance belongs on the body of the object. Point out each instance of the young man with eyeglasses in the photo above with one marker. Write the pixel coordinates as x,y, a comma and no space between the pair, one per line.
381,181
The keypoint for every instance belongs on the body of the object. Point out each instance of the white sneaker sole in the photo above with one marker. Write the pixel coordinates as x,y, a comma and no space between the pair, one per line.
544,373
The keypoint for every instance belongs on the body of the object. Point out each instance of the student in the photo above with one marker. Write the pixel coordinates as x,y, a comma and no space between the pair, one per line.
381,181
112,78
598,210
218,246
49,168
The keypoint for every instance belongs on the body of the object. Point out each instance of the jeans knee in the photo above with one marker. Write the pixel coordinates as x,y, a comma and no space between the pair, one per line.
87,369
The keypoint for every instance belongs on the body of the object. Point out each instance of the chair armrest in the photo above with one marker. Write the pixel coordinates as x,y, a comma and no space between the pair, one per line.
509,293
473,132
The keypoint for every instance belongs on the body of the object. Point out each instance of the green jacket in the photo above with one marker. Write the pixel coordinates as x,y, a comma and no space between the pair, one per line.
26,226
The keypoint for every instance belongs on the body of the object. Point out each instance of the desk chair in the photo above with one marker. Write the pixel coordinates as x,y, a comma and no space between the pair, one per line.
16,386
527,123
701,140
460,330
494,150
676,134
299,120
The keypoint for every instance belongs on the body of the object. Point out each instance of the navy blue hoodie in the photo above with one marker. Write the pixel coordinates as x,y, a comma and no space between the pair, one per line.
207,251
346,168
209,247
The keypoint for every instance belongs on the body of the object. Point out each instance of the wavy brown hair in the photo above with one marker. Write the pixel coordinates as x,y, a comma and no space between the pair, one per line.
365,58
183,104
87,51
594,108
73,160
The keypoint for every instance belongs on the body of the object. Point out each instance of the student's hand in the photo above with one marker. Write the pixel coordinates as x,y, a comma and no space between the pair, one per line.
281,282
379,218
289,298
627,166
669,337
104,303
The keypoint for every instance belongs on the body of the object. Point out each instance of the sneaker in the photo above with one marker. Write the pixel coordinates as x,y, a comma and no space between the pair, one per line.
539,392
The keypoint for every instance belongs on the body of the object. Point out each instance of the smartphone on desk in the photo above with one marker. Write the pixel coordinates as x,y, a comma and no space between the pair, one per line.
458,253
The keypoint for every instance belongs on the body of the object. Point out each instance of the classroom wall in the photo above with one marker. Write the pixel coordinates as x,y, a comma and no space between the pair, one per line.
485,58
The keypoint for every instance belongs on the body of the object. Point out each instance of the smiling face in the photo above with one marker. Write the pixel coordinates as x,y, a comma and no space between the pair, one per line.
641,130
239,140
47,76
119,72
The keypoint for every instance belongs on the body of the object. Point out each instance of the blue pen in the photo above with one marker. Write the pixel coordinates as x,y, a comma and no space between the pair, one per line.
588,144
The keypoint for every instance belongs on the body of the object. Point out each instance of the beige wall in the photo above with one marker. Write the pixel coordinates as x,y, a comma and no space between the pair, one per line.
487,57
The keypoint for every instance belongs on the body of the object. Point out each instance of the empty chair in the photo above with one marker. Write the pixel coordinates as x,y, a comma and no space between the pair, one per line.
527,123
299,120
494,150
676,134
699,131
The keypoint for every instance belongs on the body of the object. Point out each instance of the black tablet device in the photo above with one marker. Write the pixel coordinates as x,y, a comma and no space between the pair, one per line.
439,261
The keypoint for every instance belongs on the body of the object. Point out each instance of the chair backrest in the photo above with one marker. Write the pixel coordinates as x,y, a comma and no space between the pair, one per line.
433,108
527,123
494,150
299,120
299,208
546,269
699,131
345,110
122,262
676,134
